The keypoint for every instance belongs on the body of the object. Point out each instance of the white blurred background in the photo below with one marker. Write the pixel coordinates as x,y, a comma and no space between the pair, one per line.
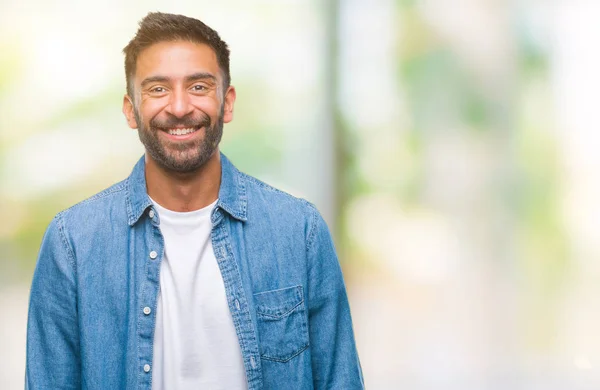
451,145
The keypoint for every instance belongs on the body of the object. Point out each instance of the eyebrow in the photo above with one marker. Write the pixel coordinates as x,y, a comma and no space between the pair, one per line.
193,77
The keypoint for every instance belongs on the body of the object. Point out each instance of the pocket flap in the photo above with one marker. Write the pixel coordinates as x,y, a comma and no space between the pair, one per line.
278,303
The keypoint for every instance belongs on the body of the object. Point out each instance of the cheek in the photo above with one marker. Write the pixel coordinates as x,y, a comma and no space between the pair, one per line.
150,109
208,105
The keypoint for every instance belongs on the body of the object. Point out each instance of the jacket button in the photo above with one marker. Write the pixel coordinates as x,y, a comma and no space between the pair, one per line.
153,255
146,368
147,310
151,214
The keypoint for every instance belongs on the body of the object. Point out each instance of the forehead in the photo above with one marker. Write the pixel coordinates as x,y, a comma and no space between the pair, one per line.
176,59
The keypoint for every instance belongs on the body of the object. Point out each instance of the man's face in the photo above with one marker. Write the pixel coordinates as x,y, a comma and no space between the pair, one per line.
179,105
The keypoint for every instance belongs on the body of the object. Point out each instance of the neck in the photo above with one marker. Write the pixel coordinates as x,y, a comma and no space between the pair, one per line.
184,191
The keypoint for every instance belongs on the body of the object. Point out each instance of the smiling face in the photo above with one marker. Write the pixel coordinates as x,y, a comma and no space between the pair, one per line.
179,106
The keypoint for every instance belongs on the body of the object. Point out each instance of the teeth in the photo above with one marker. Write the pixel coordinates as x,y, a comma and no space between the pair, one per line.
181,131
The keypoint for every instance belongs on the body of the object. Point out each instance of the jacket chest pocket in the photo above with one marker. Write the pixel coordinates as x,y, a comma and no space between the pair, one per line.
281,323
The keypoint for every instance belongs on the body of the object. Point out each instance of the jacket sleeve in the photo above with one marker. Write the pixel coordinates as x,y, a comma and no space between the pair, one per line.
335,362
53,360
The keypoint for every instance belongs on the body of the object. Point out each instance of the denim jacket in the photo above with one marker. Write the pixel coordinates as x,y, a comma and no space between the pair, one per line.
98,267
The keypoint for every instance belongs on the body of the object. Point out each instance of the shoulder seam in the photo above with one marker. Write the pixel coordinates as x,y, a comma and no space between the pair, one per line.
65,242
313,224
269,187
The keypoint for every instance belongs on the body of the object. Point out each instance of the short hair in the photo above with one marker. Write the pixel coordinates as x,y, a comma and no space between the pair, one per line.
162,27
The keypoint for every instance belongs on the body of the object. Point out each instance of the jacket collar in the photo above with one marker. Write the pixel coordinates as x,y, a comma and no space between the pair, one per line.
232,193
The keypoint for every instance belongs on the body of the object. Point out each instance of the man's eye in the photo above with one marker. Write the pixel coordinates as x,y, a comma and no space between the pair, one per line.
157,90
199,88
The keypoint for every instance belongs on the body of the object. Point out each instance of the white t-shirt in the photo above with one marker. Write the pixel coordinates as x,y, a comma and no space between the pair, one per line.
195,343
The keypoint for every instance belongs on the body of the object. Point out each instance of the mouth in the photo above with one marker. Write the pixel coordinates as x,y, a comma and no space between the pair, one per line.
179,134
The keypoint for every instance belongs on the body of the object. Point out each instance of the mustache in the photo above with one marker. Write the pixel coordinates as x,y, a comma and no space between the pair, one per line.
186,122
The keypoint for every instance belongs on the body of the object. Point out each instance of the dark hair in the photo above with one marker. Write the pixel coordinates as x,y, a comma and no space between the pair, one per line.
160,27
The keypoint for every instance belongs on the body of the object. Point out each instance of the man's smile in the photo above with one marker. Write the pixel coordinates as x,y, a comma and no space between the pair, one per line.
180,134
177,131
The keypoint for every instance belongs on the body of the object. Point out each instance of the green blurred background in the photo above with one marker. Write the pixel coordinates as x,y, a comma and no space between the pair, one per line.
451,146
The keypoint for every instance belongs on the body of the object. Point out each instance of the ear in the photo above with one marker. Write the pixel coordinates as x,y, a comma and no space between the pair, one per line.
128,112
228,105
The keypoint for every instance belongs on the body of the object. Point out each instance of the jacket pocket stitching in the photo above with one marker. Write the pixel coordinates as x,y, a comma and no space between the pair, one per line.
278,290
277,316
286,359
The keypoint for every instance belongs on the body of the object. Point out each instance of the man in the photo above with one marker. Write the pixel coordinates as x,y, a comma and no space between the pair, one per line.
188,274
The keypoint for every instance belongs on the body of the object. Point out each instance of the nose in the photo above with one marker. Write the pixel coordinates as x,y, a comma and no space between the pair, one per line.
179,104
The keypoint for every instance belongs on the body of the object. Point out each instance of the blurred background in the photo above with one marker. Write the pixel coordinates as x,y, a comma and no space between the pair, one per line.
451,146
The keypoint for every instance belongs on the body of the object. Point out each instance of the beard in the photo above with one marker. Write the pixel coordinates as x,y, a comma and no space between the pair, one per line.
181,156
